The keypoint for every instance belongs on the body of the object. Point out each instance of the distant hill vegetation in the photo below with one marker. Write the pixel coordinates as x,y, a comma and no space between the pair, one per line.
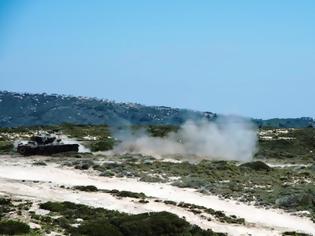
303,122
25,109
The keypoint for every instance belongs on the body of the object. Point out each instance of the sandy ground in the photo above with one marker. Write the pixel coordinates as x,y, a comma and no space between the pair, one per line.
287,165
260,221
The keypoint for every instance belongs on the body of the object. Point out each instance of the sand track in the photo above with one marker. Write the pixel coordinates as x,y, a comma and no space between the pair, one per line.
48,179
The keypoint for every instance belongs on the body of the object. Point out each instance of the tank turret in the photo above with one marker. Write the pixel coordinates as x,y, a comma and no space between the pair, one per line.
45,145
43,139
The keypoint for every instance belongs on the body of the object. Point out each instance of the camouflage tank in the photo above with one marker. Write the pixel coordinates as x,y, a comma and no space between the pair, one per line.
45,145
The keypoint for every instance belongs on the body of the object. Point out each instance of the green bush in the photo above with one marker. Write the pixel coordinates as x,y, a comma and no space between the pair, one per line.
161,130
6,146
257,166
5,205
102,145
127,194
99,221
12,227
5,201
293,233
97,228
87,188
153,224
52,206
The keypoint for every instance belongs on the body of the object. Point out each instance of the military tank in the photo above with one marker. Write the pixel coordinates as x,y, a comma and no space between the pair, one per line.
45,145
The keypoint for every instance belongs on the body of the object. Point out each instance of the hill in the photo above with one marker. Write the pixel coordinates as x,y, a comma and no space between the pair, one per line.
26,109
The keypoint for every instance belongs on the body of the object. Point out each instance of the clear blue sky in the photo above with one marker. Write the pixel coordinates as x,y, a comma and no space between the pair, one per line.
253,58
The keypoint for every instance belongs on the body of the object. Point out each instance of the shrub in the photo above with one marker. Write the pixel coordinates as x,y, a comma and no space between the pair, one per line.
293,233
127,194
5,205
257,165
52,206
88,188
102,145
5,201
39,163
99,221
12,227
6,146
161,130
153,224
97,228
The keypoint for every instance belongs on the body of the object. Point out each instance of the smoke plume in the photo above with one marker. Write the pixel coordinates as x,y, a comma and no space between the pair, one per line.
228,138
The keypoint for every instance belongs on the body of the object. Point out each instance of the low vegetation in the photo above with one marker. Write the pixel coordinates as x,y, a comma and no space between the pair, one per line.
114,192
287,187
87,188
294,145
290,188
12,227
5,206
218,215
6,146
99,221
293,233
156,130
95,137
118,193
284,144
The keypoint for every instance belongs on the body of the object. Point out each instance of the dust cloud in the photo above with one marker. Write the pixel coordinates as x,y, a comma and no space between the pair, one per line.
227,138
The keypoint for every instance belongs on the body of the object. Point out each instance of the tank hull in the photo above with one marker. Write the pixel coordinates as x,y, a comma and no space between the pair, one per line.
28,150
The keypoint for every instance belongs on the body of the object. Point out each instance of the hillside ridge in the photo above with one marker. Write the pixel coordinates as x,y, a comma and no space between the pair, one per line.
29,109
